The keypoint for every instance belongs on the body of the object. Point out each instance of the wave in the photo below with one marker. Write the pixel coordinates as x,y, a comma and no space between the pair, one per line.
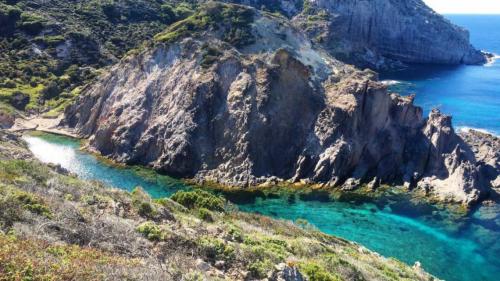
491,60
390,82
466,129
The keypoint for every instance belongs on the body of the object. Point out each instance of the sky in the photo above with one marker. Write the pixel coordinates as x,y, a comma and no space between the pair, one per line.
465,6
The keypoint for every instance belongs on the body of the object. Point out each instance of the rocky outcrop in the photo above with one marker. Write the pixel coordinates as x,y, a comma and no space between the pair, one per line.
276,109
6,119
486,148
380,33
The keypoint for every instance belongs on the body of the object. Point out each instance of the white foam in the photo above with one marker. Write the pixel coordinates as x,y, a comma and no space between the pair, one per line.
466,129
390,82
492,60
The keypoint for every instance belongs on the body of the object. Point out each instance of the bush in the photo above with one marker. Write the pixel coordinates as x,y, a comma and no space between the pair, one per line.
19,100
31,23
316,272
205,215
259,269
199,199
234,20
216,249
142,202
209,56
151,231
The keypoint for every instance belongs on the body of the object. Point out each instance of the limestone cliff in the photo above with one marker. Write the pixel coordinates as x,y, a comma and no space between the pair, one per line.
272,109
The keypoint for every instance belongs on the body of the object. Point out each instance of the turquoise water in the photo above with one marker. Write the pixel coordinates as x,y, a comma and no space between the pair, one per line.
471,94
464,250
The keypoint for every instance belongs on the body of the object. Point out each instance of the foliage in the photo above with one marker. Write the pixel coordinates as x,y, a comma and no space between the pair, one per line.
260,268
209,56
28,259
205,214
142,202
40,44
216,249
199,199
315,272
151,231
233,20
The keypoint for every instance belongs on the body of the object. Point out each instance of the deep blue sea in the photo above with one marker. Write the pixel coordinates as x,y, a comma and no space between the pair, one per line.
471,94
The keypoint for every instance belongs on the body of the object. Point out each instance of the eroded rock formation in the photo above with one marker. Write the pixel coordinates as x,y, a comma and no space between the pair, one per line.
276,109
379,33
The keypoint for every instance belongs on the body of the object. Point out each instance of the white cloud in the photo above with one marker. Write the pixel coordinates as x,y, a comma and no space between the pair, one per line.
465,6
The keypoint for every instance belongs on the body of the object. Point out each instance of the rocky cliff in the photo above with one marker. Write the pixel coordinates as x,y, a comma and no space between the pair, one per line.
379,33
248,100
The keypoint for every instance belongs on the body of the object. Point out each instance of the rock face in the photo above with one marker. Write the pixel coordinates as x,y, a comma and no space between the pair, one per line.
6,119
380,33
276,109
487,150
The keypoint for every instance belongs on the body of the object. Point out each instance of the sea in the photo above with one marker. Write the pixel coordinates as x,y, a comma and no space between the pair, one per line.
470,93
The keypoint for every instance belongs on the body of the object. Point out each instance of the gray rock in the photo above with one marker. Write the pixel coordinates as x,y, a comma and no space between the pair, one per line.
284,272
381,33
279,109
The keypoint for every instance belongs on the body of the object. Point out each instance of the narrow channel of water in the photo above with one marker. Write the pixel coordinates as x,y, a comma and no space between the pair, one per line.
465,250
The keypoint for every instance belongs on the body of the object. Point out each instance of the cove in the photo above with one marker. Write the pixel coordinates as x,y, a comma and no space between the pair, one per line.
471,94
463,250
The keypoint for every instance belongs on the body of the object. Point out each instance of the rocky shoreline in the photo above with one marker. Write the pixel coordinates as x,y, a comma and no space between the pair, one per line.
280,109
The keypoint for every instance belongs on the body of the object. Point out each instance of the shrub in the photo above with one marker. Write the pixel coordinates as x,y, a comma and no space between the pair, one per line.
259,269
205,215
235,234
234,20
142,202
216,249
151,231
199,199
30,259
316,272
31,23
209,56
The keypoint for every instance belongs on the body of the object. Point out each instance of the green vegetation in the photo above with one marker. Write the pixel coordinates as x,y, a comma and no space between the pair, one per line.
206,215
142,202
152,231
216,249
48,50
58,227
233,20
199,199
32,259
316,272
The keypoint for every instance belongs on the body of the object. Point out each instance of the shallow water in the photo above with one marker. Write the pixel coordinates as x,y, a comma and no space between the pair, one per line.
465,250
471,94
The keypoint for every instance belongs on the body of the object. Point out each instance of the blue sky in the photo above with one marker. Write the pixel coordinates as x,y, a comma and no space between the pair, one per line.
465,6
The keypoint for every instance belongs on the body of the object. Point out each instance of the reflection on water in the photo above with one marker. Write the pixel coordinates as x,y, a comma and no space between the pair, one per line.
465,250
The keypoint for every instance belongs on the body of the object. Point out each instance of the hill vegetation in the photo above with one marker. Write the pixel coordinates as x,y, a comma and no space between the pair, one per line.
54,226
48,49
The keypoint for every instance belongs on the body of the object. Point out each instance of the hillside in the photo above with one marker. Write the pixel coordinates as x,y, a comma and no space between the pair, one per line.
57,227
51,48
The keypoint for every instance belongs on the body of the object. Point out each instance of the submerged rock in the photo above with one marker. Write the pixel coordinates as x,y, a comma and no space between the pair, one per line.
273,108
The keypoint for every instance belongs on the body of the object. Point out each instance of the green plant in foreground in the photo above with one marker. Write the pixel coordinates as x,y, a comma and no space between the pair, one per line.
199,199
151,231
205,215
316,272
